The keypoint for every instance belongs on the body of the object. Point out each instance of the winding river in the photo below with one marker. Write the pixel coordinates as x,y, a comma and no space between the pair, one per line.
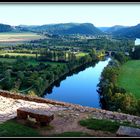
80,88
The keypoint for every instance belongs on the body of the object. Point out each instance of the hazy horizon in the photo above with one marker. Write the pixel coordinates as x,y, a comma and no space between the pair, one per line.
100,15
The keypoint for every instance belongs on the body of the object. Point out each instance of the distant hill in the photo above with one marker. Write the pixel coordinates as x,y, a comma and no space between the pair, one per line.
75,28
115,28
66,28
131,32
103,29
6,28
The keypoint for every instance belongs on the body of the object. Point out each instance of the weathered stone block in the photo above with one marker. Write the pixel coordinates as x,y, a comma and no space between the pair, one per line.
128,131
42,117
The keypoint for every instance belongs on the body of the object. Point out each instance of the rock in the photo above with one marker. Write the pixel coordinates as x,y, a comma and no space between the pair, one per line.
118,117
128,131
70,108
109,116
130,118
82,110
76,114
112,120
42,117
137,122
94,117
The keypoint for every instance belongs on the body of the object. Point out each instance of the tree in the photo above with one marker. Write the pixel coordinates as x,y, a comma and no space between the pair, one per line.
93,53
20,75
121,57
7,82
32,93
125,102
136,53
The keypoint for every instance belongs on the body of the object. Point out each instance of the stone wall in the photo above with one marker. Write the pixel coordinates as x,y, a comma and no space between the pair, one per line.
37,99
97,113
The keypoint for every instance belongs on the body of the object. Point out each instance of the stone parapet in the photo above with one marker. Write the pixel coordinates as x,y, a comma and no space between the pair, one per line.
94,112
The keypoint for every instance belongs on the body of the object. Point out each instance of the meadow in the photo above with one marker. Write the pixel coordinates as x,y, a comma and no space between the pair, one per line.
129,77
32,62
19,54
18,37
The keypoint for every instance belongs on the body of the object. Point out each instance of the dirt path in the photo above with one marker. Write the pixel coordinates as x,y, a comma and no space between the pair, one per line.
67,121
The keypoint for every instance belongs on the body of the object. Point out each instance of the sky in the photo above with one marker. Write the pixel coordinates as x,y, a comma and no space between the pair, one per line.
99,14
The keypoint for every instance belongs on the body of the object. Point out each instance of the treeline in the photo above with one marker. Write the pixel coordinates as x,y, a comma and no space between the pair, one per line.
135,54
17,56
57,56
113,44
112,97
21,76
82,44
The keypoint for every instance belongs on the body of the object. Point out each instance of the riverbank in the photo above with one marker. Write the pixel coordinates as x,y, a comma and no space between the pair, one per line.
73,66
113,96
55,74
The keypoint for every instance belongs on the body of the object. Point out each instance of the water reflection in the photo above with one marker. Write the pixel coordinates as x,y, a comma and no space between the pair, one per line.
79,87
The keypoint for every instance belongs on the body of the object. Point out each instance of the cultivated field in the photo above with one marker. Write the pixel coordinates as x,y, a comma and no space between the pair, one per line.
129,77
80,54
30,62
18,37
19,54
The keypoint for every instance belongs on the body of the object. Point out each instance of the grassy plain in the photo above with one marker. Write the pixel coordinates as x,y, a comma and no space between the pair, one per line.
80,54
34,62
30,62
129,77
15,37
20,54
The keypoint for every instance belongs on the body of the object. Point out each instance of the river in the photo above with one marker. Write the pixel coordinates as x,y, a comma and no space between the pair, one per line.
80,88
137,41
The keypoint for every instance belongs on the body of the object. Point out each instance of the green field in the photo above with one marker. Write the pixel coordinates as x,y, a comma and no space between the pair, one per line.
20,54
129,77
105,124
10,60
30,62
17,37
34,62
80,54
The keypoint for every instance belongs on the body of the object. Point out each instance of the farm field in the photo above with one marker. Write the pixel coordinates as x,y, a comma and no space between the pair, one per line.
80,54
34,62
30,62
16,37
129,77
19,54
9,60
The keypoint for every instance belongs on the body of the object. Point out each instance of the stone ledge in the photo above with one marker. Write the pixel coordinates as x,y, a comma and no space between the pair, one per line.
99,113
42,100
